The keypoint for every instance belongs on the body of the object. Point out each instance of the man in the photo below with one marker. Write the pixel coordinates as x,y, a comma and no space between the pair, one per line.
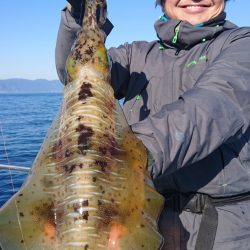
187,97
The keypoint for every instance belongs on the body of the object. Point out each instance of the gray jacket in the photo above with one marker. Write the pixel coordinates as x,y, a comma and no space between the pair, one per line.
187,97
189,102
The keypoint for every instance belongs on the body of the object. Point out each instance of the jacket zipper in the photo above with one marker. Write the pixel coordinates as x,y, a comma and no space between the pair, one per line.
177,52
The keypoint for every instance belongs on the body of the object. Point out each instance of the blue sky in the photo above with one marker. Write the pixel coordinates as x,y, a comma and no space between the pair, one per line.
29,30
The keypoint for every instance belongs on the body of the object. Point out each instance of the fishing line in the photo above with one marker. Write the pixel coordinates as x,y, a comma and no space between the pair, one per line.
7,158
12,184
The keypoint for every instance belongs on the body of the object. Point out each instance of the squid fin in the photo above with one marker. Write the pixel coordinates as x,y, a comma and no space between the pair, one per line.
27,219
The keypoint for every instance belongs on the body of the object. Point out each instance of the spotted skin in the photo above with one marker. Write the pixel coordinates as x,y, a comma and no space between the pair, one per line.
89,187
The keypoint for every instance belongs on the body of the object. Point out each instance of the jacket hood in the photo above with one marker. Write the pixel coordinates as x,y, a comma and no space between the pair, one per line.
183,35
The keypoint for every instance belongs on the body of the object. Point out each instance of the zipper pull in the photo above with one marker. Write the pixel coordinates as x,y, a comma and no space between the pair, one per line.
177,52
177,31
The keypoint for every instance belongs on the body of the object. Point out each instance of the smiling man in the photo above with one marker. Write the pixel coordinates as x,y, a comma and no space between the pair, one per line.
187,97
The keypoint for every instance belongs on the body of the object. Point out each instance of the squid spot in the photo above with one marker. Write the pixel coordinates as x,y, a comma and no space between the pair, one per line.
85,91
83,139
89,51
102,164
69,168
67,153
85,215
103,150
77,55
112,148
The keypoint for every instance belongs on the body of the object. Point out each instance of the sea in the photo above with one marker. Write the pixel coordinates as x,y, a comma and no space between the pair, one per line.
24,122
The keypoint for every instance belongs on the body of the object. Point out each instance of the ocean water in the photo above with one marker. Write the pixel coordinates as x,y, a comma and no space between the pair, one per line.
24,122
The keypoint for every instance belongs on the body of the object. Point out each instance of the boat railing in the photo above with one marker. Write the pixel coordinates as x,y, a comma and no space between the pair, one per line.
14,168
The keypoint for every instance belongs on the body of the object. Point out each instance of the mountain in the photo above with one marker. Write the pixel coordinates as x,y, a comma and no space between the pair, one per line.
16,85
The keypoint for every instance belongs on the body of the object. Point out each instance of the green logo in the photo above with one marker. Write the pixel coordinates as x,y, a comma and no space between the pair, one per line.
194,62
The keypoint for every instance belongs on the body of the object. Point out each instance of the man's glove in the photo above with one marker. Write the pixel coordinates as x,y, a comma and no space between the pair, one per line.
77,8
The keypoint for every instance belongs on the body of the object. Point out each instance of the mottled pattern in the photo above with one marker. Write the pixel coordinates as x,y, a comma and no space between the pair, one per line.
89,187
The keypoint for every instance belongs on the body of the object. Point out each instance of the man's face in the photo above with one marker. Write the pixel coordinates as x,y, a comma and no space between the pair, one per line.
193,11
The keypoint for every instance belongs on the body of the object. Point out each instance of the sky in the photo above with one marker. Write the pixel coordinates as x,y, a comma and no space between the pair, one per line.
28,31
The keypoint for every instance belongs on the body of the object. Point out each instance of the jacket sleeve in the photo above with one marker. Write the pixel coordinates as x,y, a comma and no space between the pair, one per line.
126,66
215,111
120,68
67,33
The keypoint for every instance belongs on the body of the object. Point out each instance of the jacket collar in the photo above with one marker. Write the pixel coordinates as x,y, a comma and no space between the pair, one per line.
183,35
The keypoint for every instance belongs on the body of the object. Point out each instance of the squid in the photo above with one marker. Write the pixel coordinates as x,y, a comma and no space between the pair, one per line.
88,188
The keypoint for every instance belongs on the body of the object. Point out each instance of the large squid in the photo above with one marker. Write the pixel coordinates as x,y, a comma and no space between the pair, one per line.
88,188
